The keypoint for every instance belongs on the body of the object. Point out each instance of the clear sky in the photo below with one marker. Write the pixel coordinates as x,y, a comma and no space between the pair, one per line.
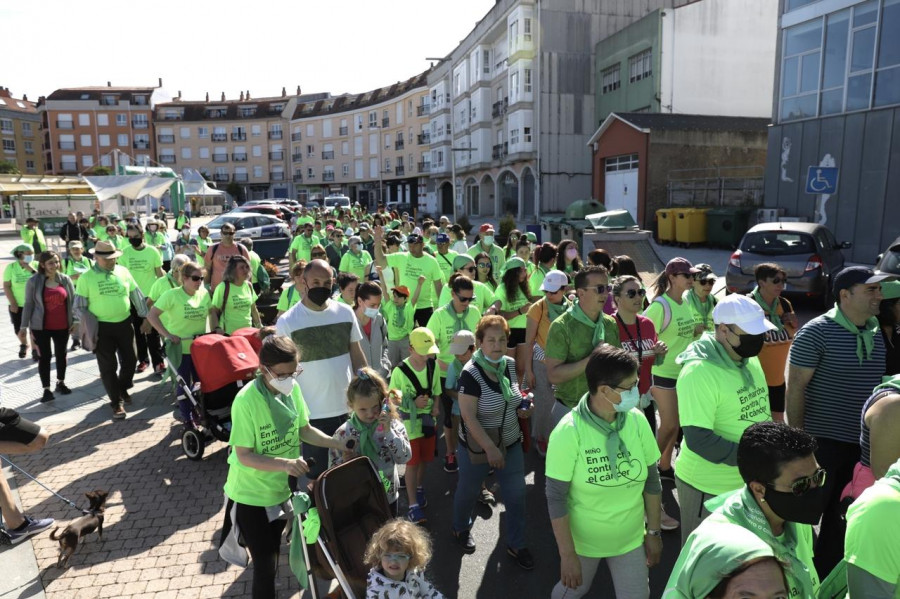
200,46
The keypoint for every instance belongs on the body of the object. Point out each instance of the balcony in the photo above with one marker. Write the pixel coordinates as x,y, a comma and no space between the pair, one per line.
296,157
422,109
68,167
298,178
138,124
399,144
423,138
498,109
219,137
66,145
500,151
329,155
240,177
276,176
327,176
221,177
172,116
296,136
167,159
220,158
65,125
342,131
165,139
423,167
239,157
240,136
401,170
141,145
276,155
276,134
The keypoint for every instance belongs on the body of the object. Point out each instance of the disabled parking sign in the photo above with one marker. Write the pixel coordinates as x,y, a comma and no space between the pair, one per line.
821,180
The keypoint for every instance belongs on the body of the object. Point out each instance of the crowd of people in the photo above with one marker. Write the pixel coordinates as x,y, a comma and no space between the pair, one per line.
395,333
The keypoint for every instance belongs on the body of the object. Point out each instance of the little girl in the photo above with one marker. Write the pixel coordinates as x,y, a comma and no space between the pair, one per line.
398,554
377,429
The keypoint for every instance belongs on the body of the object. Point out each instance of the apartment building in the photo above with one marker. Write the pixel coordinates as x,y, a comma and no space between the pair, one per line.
83,125
20,133
241,141
372,146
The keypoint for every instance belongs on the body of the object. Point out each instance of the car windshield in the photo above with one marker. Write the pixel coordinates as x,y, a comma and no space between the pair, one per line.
891,261
778,243
217,222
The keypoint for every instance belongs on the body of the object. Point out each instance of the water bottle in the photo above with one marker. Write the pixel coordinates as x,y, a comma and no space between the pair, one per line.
527,399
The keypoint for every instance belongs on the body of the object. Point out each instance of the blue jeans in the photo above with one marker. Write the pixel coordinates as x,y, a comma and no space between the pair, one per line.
512,482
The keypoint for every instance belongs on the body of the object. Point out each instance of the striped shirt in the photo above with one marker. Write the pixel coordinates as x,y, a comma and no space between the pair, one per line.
865,443
840,385
491,405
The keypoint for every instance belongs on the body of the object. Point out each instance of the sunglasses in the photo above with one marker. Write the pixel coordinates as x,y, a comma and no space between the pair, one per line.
802,485
469,269
779,280
228,233
465,300
601,289
633,293
318,255
195,278
710,281
484,265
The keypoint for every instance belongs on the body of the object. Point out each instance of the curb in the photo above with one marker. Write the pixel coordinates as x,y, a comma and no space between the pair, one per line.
21,576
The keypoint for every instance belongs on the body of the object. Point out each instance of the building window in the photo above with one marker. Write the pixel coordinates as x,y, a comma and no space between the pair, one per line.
526,133
29,166
186,153
203,153
84,120
255,130
527,78
513,137
85,141
310,151
257,172
122,120
310,173
26,129
345,170
310,130
6,126
257,151
87,161
640,66
203,132
790,5
9,146
185,133
28,146
609,79
626,162
103,120
359,122
526,29
373,119
122,140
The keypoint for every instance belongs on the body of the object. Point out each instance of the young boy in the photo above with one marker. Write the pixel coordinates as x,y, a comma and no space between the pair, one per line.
399,316
419,383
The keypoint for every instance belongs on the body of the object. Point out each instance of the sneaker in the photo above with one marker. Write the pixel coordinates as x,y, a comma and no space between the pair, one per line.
159,368
464,539
450,464
23,350
416,515
75,345
61,388
34,356
126,397
47,396
486,497
30,528
667,473
667,522
119,412
522,556
142,366
420,497
402,483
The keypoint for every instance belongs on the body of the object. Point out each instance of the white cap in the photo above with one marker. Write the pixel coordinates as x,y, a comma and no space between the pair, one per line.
744,312
554,281
461,342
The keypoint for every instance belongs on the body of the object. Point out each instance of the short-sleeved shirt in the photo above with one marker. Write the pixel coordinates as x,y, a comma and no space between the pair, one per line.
536,279
189,247
355,263
17,276
252,426
410,268
217,257
840,385
538,312
400,382
511,305
774,354
288,298
184,315
236,314
107,292
642,333
142,265
497,254
873,527
718,399
606,512
161,285
303,246
492,409
484,296
570,341
443,323
390,311
677,333
76,268
445,261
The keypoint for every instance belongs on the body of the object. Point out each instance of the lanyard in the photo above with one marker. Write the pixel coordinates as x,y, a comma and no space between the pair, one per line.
637,327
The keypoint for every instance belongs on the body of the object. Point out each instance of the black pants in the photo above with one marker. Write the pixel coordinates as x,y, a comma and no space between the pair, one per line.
838,459
320,454
116,340
263,540
60,340
421,316
149,346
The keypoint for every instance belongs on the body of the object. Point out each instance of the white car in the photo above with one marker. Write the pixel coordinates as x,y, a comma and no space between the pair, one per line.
337,201
271,236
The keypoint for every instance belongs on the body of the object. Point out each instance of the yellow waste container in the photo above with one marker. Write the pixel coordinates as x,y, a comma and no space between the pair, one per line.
665,217
690,225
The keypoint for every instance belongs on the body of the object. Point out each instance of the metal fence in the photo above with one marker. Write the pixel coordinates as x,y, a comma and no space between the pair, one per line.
736,186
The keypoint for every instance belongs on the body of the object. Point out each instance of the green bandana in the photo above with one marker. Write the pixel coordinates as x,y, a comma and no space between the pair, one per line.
554,311
889,382
498,370
173,355
865,337
96,268
614,443
459,321
366,437
772,310
706,348
599,326
282,409
703,309
400,321
300,532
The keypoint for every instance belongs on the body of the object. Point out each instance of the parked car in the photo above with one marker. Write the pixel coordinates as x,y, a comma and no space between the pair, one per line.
337,201
808,253
271,209
889,261
271,236
313,204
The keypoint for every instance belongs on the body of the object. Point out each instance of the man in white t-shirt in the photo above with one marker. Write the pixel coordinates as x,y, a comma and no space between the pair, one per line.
328,335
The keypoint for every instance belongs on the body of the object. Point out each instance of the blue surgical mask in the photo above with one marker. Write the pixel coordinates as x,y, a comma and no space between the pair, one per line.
492,361
489,240
628,400
372,312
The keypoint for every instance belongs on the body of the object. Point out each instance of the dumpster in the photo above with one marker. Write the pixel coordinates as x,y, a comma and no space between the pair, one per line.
612,219
690,225
581,208
574,230
726,226
550,228
666,225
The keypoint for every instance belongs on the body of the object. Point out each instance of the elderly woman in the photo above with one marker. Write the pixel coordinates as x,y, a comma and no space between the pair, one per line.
15,277
489,403
170,280
603,484
49,300
234,302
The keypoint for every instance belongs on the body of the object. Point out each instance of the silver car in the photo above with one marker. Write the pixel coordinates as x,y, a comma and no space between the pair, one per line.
807,252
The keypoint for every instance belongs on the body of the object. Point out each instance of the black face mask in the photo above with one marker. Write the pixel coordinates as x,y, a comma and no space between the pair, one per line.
135,241
318,295
804,509
750,345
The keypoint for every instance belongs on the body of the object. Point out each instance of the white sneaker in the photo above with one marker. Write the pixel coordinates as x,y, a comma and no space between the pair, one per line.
667,522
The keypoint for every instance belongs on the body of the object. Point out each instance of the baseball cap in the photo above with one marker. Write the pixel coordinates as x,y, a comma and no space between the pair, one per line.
856,275
422,341
485,228
363,227
394,224
461,342
677,266
401,289
461,260
443,238
354,239
744,312
22,248
75,244
514,262
329,228
554,281
531,237
890,289
414,238
444,219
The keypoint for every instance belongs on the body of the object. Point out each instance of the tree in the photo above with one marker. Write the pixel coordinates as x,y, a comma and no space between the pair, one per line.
235,191
8,167
101,171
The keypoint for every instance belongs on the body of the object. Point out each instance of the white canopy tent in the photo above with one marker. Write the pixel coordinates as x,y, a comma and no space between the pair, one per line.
195,186
130,187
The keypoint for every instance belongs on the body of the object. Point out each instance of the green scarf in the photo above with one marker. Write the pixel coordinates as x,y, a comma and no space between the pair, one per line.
554,311
599,326
706,348
772,310
400,321
174,356
888,382
498,370
703,309
459,321
282,409
614,443
103,271
302,532
366,438
864,337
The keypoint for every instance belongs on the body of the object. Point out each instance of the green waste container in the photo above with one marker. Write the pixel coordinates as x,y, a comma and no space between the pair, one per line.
726,226
581,208
574,230
690,226
665,218
550,228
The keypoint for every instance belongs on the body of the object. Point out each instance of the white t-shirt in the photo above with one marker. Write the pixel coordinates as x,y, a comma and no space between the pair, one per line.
324,340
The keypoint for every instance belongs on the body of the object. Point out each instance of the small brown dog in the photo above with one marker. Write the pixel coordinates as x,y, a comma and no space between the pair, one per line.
68,538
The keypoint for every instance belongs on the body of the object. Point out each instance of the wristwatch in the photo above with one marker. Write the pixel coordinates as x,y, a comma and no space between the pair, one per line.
654,533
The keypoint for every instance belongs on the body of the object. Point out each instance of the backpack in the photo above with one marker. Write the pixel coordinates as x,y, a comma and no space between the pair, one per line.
262,278
429,376
241,250
667,313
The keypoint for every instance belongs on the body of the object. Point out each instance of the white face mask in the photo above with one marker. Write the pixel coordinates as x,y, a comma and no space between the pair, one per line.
488,240
283,386
185,232
371,312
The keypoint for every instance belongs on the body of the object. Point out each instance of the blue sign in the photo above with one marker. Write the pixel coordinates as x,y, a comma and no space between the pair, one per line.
821,179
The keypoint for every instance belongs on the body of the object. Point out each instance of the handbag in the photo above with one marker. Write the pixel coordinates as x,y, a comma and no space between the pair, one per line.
477,454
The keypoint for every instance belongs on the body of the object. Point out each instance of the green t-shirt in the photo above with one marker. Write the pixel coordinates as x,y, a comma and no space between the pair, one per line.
34,237
520,321
445,262
107,292
497,254
17,276
403,384
101,234
236,315
411,268
606,514
161,285
718,399
74,267
484,296
254,265
288,298
303,246
873,527
252,426
302,220
184,315
154,240
202,246
570,341
536,279
677,335
356,264
704,315
443,323
390,311
142,265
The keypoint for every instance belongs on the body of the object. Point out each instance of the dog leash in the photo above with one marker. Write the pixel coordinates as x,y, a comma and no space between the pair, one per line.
68,501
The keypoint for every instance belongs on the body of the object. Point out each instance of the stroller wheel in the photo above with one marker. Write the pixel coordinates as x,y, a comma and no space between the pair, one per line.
193,444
